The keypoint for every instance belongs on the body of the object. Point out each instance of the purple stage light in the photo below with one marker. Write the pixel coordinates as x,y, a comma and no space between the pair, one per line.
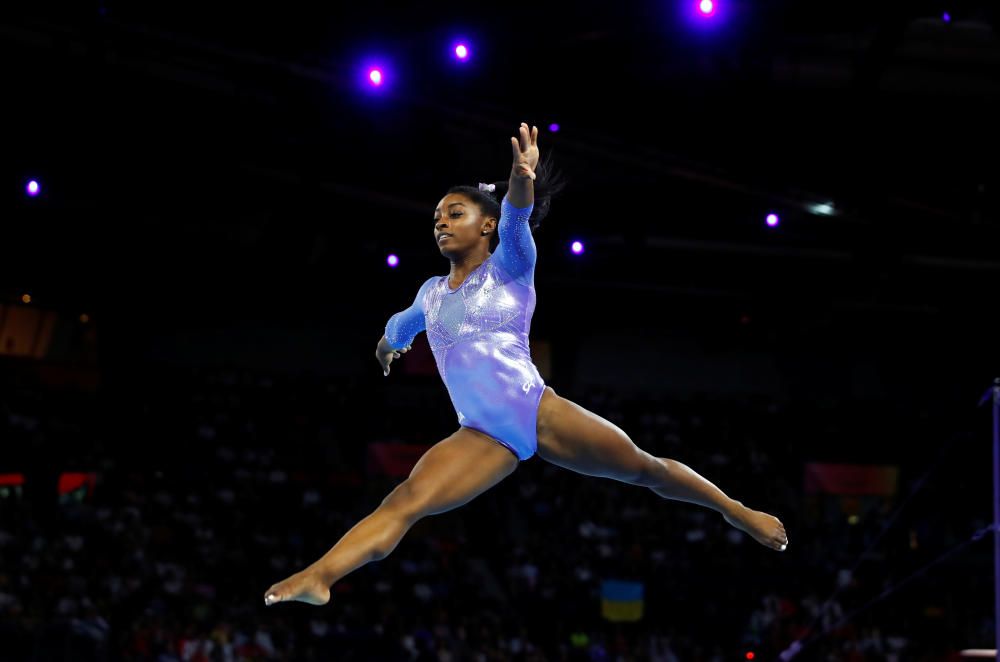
392,261
462,52
32,188
376,75
577,247
946,17
772,220
553,127
704,16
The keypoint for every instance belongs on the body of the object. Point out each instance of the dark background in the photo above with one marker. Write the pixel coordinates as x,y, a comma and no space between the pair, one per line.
223,163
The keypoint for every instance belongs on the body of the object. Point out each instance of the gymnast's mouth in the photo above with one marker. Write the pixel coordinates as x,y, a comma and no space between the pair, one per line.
443,237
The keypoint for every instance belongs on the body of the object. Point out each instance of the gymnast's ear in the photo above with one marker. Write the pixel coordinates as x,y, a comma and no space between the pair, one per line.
490,226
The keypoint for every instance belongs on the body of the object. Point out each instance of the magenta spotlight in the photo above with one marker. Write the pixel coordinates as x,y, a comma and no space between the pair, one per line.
554,128
462,52
32,188
772,219
577,247
706,7
392,261
375,77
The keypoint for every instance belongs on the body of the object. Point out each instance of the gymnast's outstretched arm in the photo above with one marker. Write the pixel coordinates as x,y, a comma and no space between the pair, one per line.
401,329
516,252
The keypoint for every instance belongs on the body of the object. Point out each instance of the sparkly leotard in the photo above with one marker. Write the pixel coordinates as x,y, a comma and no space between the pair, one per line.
479,335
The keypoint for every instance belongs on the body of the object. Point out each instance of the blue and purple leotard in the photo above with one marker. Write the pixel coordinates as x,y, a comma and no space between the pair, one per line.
479,335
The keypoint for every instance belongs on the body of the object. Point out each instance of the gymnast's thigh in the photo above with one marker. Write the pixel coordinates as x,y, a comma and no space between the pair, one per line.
451,473
574,438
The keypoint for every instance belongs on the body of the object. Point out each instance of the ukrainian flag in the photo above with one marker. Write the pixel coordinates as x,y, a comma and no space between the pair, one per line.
621,601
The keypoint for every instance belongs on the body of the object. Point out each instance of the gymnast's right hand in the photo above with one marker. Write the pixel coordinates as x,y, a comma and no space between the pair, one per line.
385,354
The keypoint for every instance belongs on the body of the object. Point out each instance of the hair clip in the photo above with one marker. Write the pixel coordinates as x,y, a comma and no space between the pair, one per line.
487,187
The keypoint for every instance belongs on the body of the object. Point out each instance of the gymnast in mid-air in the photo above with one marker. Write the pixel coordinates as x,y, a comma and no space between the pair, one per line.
477,320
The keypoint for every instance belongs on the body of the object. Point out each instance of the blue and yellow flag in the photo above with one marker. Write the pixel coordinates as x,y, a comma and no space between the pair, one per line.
621,601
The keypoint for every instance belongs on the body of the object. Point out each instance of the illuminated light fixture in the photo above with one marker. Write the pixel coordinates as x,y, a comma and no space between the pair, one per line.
822,209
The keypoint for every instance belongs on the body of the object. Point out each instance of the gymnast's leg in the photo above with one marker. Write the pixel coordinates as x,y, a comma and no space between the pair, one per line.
451,473
574,438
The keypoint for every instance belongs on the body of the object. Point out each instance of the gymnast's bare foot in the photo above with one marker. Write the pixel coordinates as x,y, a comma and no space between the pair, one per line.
765,529
306,586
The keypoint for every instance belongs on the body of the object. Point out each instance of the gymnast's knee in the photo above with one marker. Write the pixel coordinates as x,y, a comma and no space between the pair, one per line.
406,502
653,471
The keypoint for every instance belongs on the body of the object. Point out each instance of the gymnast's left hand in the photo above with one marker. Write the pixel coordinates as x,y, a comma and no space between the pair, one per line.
525,152
385,354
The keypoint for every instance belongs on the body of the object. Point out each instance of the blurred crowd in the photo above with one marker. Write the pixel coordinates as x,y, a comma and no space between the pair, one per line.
212,484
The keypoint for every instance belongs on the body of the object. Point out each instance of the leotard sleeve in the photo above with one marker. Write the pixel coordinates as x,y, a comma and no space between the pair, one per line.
403,327
516,252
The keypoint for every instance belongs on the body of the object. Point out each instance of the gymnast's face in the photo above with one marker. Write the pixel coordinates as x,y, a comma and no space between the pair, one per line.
459,225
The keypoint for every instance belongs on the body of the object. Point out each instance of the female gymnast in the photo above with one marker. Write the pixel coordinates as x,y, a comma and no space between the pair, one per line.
477,320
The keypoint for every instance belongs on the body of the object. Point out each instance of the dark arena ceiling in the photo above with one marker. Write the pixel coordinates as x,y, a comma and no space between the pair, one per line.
231,149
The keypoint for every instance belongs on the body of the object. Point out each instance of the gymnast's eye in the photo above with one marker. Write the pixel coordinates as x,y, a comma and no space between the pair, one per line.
455,214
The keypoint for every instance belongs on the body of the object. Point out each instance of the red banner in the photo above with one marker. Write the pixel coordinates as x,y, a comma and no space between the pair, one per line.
853,479
69,482
394,458
11,479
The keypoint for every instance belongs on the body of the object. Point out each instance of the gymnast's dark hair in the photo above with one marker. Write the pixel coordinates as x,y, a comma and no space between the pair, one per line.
548,183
